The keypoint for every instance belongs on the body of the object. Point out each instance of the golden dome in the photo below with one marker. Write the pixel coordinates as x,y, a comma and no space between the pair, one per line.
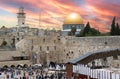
73,18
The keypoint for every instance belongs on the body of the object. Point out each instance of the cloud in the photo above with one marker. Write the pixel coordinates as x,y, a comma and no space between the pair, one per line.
52,13
104,10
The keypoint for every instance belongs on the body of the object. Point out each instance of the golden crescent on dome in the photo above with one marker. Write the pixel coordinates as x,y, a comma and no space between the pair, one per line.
73,18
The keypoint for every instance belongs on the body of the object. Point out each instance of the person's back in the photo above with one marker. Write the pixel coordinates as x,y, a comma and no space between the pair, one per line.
20,77
37,76
7,76
52,76
24,77
12,75
40,77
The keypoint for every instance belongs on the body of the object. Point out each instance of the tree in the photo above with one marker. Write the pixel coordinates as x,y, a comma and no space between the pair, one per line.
3,27
86,29
80,34
72,32
69,33
112,32
117,29
93,32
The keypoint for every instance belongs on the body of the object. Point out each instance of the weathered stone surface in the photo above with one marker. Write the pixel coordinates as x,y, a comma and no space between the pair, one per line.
63,49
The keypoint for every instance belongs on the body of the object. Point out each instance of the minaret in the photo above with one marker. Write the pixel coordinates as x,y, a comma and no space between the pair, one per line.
21,17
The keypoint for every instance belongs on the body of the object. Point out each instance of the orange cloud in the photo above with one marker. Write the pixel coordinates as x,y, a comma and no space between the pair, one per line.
52,13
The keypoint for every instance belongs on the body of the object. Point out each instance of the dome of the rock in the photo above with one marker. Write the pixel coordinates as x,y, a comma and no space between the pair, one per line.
73,18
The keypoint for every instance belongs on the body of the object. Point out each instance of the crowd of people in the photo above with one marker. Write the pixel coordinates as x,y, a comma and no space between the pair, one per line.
30,72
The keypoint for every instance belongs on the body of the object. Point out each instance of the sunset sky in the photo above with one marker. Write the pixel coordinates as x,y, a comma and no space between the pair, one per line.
52,12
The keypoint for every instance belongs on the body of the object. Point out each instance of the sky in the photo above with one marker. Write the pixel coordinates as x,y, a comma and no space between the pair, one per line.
51,13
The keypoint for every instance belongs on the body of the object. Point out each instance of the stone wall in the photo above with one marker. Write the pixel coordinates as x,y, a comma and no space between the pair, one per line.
6,57
8,54
82,45
64,49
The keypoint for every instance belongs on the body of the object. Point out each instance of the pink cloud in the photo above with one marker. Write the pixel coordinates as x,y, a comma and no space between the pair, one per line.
53,12
104,11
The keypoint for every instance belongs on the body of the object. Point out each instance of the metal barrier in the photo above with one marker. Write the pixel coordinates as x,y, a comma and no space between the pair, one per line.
95,73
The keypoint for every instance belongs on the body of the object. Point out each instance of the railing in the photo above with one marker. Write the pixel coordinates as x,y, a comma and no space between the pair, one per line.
95,73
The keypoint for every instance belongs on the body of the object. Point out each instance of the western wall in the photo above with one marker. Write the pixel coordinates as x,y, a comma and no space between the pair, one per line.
63,49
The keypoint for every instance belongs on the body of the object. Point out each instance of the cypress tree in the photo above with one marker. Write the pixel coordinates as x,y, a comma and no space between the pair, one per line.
86,29
113,27
117,29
